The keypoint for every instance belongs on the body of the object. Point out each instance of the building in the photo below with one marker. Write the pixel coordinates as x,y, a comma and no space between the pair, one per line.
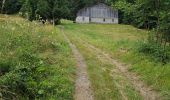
100,13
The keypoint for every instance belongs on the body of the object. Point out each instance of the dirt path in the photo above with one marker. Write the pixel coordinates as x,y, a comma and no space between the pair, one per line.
145,91
83,86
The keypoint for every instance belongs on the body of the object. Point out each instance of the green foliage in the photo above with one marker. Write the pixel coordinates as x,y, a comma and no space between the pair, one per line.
139,13
11,6
155,51
28,9
53,9
126,11
33,62
149,14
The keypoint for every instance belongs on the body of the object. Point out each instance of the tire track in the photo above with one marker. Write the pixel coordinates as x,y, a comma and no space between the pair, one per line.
145,91
83,89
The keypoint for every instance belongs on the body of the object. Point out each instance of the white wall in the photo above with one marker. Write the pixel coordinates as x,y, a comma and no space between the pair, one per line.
81,19
107,20
116,20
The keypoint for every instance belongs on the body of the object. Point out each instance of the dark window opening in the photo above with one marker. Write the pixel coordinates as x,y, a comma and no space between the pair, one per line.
90,19
104,19
112,20
83,18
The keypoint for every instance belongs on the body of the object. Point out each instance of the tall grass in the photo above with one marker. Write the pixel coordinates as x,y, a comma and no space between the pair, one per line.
35,61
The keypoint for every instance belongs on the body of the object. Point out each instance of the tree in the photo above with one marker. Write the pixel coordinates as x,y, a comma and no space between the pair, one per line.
11,6
3,4
28,9
53,10
164,21
126,11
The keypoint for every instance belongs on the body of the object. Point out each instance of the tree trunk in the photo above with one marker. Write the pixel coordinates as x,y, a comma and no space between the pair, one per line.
53,21
3,5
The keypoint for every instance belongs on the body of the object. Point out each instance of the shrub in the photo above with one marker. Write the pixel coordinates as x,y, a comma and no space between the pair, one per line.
155,50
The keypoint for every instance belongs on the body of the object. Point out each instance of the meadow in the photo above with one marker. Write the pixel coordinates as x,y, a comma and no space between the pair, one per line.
35,61
121,42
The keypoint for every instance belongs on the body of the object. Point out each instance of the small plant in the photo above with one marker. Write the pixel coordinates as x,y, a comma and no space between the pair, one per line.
4,68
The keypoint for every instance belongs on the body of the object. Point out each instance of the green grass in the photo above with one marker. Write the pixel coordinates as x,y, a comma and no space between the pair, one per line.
120,41
35,61
105,84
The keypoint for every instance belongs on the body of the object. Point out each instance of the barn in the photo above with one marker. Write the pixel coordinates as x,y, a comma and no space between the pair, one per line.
100,13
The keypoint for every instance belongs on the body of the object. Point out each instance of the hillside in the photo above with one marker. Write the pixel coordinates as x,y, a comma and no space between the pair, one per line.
77,61
35,61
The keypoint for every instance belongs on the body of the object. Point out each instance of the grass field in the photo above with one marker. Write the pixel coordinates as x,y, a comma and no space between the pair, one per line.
35,61
121,42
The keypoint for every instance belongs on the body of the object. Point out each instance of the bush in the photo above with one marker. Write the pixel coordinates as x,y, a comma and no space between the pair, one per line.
4,68
156,51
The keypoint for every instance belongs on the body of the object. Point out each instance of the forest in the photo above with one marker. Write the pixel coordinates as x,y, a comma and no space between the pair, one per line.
37,63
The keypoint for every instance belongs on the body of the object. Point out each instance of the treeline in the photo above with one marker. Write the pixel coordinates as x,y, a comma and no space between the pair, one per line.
51,10
144,13
140,13
153,15
10,6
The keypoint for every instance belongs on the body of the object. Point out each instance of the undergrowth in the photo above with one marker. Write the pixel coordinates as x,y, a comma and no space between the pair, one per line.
155,50
35,62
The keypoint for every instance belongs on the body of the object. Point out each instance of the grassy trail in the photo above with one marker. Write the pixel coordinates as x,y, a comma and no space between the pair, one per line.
118,89
83,86
121,69
108,81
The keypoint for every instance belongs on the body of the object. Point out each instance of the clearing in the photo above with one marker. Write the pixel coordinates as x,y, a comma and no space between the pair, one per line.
114,65
38,62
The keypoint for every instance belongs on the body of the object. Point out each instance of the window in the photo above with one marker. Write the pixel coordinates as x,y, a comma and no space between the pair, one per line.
112,20
104,19
83,18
